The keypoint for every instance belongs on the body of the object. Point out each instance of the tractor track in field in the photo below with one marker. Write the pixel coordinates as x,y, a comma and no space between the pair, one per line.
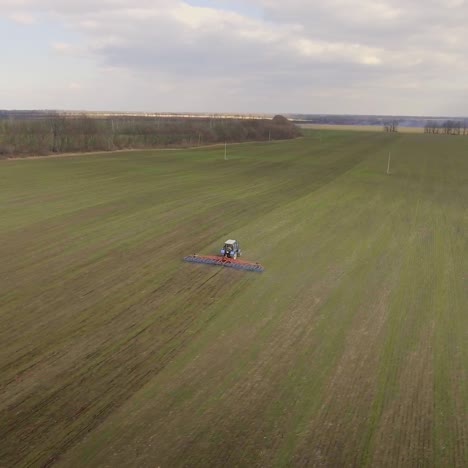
348,351
91,416
206,295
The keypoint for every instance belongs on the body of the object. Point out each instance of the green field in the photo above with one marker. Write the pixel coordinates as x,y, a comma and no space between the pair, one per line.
351,349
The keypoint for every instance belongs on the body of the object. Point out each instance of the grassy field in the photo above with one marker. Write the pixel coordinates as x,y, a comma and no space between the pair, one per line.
359,128
350,350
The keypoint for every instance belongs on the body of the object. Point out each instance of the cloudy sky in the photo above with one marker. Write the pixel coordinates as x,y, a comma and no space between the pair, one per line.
305,56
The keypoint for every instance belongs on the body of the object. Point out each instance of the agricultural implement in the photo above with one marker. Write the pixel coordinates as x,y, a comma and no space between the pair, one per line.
228,258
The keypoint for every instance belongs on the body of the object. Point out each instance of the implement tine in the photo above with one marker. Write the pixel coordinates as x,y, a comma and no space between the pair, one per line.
228,263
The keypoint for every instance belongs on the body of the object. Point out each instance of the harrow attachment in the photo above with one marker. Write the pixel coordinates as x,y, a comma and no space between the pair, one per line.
224,262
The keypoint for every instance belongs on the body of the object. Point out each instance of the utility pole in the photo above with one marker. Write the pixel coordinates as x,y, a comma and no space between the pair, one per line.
388,165
225,151
199,139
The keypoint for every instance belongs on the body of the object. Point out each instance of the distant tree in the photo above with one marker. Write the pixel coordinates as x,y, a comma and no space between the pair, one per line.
450,127
57,126
280,128
391,126
281,120
431,127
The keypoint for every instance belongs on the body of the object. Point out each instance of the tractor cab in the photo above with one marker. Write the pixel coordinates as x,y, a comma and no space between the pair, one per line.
231,249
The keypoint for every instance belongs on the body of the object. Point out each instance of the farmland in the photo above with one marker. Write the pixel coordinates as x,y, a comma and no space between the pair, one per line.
359,128
349,350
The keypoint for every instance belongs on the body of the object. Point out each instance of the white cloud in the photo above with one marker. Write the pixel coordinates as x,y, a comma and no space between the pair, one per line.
325,50
74,86
62,46
22,18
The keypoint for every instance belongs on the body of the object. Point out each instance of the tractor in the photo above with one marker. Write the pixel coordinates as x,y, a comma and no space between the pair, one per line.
231,249
228,258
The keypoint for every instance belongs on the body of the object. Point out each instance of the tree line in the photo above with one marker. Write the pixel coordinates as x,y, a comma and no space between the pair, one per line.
62,134
449,127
